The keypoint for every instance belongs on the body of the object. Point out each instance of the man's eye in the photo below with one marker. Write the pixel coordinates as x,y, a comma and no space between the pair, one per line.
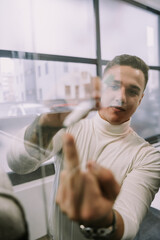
115,87
132,92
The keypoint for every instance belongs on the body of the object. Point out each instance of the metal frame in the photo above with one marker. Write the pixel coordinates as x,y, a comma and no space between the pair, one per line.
45,57
141,5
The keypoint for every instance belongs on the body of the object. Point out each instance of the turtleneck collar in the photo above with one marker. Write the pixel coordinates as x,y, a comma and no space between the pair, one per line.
110,129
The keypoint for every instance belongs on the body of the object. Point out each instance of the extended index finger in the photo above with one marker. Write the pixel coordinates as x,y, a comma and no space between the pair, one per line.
70,152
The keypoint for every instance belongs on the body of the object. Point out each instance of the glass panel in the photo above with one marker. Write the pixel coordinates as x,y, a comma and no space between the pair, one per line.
128,29
67,27
16,25
28,88
146,120
45,26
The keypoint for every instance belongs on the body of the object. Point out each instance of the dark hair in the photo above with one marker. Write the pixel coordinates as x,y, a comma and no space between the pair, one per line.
129,60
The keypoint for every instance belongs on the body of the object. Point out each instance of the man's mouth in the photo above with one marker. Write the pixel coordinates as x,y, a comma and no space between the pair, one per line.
117,108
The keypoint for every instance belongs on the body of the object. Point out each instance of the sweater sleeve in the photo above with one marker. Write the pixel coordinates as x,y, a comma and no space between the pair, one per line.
24,161
137,192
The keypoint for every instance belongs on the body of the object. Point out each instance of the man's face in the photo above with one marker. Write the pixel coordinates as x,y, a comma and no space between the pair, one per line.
122,92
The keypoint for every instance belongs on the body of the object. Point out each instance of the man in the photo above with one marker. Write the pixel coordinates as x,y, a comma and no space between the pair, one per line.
110,196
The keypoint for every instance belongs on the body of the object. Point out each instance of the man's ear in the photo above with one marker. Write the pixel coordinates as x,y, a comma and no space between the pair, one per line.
141,99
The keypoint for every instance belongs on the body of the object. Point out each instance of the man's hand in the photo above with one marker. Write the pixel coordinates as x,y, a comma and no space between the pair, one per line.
57,119
86,196
93,102
42,130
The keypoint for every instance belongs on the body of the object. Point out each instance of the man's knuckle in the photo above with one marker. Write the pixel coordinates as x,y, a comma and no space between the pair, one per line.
72,215
87,215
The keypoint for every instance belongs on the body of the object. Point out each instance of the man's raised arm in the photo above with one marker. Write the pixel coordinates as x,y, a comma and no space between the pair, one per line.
40,133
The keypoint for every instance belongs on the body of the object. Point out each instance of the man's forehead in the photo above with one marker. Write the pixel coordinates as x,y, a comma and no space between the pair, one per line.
128,71
120,73
121,69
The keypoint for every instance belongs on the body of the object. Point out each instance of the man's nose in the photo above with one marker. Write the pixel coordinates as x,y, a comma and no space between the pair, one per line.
120,97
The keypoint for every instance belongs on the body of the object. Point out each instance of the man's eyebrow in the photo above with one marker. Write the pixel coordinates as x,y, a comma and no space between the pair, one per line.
115,81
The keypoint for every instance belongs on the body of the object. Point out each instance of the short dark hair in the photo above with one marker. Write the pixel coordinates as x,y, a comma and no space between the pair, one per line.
129,60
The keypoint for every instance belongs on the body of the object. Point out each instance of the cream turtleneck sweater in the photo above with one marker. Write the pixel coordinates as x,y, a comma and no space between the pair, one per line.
134,163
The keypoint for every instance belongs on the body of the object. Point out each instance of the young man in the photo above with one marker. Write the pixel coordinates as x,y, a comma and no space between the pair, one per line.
111,197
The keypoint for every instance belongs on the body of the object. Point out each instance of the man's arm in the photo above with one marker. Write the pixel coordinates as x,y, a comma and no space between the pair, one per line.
88,197
42,130
39,134
36,145
33,145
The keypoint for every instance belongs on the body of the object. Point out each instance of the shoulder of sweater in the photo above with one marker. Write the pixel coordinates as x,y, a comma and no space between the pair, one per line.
140,140
80,124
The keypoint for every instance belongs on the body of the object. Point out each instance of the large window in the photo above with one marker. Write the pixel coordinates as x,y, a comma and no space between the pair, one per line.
58,45
27,90
128,29
49,50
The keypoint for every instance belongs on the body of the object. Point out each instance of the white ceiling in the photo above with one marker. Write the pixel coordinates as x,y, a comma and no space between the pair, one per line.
151,3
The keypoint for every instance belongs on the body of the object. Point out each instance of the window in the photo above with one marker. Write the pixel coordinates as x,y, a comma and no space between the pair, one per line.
55,85
40,94
128,29
48,52
39,71
46,68
146,120
77,92
67,75
52,27
68,91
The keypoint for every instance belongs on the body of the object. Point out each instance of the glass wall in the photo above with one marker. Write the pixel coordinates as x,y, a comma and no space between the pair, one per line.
49,50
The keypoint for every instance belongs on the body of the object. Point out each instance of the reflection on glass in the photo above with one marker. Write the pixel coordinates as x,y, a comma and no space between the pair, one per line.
121,23
146,120
111,89
29,88
32,190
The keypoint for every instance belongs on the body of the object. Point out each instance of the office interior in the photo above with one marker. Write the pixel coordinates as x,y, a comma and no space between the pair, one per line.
49,50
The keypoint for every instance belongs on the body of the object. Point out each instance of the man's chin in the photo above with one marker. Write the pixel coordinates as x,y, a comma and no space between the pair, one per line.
114,121
108,115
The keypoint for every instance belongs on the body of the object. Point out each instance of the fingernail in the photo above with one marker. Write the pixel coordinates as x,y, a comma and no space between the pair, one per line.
94,167
67,139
